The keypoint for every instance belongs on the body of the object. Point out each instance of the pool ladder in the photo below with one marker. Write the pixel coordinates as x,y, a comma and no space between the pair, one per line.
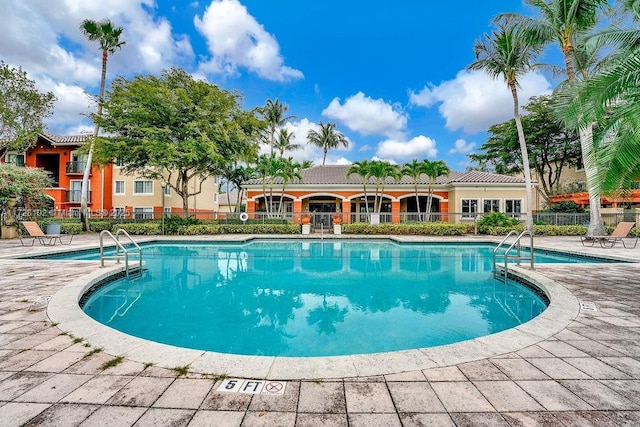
122,252
507,255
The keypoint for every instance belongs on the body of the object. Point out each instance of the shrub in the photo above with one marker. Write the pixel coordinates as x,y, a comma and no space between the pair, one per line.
140,228
99,225
565,207
287,228
174,223
416,228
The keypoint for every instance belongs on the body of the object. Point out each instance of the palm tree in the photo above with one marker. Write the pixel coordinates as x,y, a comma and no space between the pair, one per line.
108,37
434,170
288,171
507,53
611,98
283,143
381,171
414,170
561,21
274,112
361,168
267,168
328,138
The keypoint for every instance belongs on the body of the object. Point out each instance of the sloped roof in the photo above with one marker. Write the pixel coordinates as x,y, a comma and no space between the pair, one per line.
337,175
59,140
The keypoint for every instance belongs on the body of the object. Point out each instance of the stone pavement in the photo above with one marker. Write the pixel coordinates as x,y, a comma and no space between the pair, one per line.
586,375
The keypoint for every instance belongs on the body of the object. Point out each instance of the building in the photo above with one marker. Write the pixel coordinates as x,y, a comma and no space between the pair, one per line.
111,192
325,190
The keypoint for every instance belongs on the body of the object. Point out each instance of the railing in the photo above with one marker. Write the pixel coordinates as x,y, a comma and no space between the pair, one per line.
518,257
75,167
121,251
75,196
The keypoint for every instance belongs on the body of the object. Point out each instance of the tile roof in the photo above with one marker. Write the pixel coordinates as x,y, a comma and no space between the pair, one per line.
67,139
337,175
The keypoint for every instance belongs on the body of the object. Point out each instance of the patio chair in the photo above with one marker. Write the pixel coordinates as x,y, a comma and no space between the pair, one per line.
35,233
620,233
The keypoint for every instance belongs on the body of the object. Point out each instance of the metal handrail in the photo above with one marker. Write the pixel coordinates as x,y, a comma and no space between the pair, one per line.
120,247
518,257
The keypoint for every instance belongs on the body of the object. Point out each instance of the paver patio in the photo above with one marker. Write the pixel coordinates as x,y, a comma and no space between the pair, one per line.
587,374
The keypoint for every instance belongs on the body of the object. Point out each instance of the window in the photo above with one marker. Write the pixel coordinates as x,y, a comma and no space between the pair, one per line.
513,207
15,158
167,191
491,205
75,192
118,187
167,212
143,187
469,208
215,197
119,213
143,213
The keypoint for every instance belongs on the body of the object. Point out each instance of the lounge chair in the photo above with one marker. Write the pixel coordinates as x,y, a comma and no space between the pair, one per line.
620,233
35,233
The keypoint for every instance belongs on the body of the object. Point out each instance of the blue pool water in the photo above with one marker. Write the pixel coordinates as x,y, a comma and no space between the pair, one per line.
314,298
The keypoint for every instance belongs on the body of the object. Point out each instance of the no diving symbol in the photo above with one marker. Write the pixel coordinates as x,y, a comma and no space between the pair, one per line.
274,387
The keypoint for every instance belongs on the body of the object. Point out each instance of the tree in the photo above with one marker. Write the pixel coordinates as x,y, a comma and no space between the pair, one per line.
288,170
361,168
381,171
433,170
267,168
274,113
507,53
560,22
22,110
108,37
24,185
551,146
414,170
327,138
175,129
283,143
610,97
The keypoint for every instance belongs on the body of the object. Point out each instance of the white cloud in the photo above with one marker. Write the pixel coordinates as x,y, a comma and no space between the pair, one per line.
44,38
418,147
462,147
368,116
473,101
235,39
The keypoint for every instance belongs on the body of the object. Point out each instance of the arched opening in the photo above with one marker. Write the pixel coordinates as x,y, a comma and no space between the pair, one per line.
361,210
409,205
276,207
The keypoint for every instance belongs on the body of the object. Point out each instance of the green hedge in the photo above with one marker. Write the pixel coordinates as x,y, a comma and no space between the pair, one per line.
140,228
540,230
192,230
417,228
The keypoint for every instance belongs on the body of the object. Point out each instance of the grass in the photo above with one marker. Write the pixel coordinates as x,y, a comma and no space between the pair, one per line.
181,370
148,365
111,363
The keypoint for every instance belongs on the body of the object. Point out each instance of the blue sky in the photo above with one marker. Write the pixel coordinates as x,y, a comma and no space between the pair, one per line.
391,75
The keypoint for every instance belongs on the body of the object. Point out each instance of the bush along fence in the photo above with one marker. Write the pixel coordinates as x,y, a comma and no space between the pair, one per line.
495,224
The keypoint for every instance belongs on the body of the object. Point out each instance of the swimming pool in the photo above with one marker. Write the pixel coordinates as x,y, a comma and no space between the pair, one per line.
315,298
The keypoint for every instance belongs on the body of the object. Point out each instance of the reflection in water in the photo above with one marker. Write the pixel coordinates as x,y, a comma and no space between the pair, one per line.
313,298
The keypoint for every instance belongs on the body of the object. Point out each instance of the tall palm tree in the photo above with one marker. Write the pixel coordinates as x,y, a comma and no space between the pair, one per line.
327,138
288,171
283,143
507,53
361,168
611,98
414,170
274,112
267,168
108,37
434,170
560,22
381,171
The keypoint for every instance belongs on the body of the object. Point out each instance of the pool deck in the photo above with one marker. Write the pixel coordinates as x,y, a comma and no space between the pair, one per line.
577,367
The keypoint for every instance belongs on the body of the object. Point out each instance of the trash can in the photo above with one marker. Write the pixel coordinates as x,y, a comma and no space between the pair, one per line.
53,228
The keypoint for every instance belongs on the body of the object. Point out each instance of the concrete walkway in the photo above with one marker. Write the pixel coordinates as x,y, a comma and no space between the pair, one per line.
586,374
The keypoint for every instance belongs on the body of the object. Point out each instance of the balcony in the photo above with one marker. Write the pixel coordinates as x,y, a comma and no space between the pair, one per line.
74,196
75,168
